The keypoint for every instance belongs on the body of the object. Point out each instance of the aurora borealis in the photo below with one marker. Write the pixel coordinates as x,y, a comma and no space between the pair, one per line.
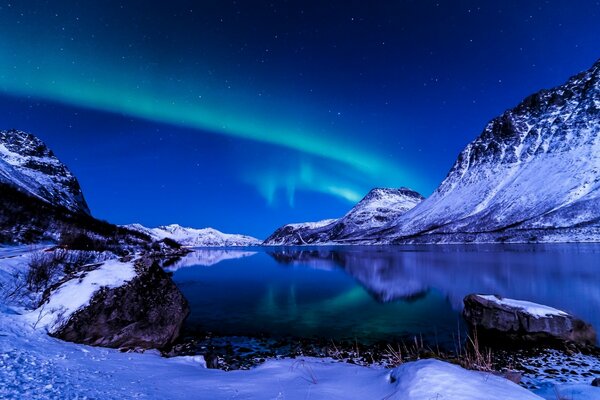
246,115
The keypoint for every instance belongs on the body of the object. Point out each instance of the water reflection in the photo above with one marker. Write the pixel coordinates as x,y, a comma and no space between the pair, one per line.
566,276
208,257
378,293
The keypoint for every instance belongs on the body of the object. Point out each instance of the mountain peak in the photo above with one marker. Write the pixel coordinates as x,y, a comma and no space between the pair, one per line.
534,167
27,164
377,208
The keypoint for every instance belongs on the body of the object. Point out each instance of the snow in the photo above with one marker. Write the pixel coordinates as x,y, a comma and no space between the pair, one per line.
434,379
570,391
376,209
312,225
34,365
77,293
27,164
533,168
534,309
531,176
192,237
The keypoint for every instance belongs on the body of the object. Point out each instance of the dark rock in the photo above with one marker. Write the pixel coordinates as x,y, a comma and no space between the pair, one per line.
492,314
146,312
212,360
596,382
513,376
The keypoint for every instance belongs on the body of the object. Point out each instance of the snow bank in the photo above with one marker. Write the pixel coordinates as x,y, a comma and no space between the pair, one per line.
534,309
77,293
434,379
570,391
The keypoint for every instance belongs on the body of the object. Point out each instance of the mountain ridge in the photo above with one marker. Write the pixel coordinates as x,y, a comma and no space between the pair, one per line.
27,164
193,237
373,211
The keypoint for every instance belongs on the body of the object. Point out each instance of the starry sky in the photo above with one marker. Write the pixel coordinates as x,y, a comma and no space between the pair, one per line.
245,115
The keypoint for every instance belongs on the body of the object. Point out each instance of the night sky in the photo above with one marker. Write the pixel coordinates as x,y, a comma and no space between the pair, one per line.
246,115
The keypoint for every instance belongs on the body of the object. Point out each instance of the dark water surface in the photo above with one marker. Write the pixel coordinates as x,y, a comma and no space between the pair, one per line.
373,294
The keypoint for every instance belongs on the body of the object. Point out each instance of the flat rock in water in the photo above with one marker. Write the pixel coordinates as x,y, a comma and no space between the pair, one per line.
526,321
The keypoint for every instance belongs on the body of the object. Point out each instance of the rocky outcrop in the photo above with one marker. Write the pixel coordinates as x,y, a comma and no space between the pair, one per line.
525,321
145,312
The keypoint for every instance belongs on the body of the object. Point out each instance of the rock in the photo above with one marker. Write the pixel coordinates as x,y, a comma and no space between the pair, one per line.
146,312
525,321
596,382
513,376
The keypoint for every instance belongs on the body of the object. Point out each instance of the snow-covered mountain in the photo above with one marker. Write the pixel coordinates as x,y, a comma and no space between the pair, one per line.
191,237
29,166
376,209
532,175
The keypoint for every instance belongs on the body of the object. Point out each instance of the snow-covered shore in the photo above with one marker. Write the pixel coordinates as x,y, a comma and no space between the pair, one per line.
34,365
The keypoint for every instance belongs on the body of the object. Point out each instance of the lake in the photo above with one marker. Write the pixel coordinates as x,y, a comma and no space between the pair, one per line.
373,294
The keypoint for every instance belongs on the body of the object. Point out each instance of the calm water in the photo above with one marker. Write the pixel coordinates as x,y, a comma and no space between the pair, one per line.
377,293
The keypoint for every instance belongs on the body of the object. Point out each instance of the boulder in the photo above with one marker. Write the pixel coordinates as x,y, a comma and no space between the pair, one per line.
145,312
525,321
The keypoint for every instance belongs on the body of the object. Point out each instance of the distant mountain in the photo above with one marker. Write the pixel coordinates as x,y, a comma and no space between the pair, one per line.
376,209
532,175
29,166
191,237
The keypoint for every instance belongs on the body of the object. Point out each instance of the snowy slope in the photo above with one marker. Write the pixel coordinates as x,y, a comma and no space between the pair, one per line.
27,164
377,208
191,237
533,174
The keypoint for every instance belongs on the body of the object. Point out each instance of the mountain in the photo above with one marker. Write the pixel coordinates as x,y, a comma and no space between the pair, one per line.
41,201
191,237
376,209
532,175
29,166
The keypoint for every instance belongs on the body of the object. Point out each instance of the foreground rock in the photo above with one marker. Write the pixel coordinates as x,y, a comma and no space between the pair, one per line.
526,321
118,304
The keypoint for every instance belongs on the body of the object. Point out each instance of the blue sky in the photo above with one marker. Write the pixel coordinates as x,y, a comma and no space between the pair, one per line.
248,115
